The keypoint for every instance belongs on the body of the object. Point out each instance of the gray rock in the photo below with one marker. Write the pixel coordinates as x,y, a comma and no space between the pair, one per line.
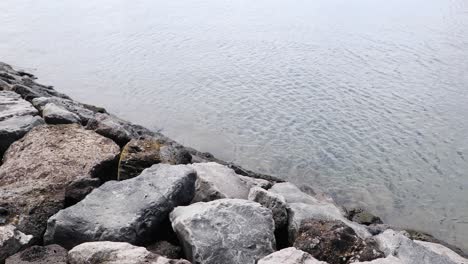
166,249
224,231
216,181
78,189
443,250
11,241
38,167
14,128
363,217
292,193
334,242
254,182
84,112
54,114
387,260
411,252
128,211
4,86
30,90
139,154
116,253
12,105
52,254
272,201
290,256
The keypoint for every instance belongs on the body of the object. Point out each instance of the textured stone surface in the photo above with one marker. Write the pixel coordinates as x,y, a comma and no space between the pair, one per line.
11,241
272,201
334,242
38,167
410,252
83,111
78,189
14,128
363,217
52,254
387,260
128,211
30,90
224,231
166,249
290,256
54,114
115,253
216,181
292,194
442,250
139,154
12,105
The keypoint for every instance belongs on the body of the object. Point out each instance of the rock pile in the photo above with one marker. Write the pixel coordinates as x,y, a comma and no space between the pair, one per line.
79,186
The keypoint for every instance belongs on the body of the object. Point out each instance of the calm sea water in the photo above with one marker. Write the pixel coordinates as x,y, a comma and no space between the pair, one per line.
364,99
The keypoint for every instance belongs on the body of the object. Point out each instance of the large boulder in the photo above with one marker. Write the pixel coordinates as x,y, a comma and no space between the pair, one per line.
83,111
334,242
216,181
54,114
11,241
127,211
397,244
228,231
51,254
290,256
116,253
38,167
139,154
272,201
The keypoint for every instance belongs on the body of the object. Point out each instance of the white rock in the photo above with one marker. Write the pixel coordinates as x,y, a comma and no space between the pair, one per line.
54,114
290,255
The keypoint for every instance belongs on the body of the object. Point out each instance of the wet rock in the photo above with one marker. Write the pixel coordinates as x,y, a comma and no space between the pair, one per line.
14,128
78,189
166,249
334,242
11,105
290,256
116,253
410,252
216,181
128,211
363,217
117,129
11,241
38,167
54,114
272,201
224,231
139,154
52,254
32,90
81,110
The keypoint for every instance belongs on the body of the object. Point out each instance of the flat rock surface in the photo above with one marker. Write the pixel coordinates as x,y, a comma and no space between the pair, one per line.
290,256
38,167
51,254
83,111
128,211
54,114
115,253
227,231
11,104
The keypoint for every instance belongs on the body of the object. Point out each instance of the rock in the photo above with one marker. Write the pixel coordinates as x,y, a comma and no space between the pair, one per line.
78,189
31,90
292,194
290,256
216,181
4,86
363,217
254,182
139,154
410,252
38,167
443,251
376,229
11,241
14,128
3,215
115,253
83,111
52,254
54,114
12,105
127,211
224,231
165,249
334,242
116,129
272,201
387,260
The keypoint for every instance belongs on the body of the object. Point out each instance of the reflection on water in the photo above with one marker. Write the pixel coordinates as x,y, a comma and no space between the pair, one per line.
365,99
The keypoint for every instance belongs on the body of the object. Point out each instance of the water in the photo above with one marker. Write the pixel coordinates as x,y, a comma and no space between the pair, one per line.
364,99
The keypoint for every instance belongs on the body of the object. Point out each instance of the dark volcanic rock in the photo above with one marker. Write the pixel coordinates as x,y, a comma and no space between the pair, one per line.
54,114
78,189
129,211
116,253
228,231
38,168
363,217
139,154
334,242
52,254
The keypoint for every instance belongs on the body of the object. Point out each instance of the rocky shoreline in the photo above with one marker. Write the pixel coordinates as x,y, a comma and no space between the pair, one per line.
81,186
